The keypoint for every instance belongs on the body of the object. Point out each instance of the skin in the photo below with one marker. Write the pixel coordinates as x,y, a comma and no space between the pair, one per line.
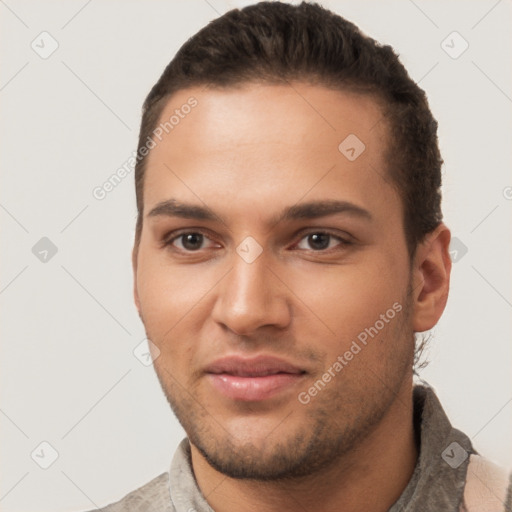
247,153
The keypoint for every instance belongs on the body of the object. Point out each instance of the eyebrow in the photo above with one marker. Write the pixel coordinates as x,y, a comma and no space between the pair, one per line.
309,210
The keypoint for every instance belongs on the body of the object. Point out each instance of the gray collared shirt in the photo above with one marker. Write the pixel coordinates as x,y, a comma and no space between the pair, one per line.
437,483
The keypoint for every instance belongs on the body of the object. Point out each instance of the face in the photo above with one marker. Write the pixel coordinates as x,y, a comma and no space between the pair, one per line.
273,275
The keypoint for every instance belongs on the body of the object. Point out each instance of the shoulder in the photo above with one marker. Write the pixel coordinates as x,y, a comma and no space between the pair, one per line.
488,486
153,495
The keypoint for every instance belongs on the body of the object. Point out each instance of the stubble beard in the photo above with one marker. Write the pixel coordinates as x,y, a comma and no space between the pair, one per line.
329,428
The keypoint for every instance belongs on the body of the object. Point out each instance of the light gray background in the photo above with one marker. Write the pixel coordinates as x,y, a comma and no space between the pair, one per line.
69,326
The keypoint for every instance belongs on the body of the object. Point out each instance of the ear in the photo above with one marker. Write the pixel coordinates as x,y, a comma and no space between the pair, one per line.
431,278
135,252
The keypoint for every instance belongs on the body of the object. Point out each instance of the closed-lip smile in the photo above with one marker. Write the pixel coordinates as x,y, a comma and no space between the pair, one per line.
253,379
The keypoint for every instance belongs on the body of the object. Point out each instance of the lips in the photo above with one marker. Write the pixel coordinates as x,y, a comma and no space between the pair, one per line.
253,379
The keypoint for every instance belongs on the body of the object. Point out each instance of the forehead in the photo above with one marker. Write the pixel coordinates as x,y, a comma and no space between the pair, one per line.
254,113
267,140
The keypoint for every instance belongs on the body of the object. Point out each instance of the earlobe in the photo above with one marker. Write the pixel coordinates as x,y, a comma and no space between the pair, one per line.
431,278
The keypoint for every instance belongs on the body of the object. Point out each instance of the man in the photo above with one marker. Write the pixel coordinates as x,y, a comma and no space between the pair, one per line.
289,250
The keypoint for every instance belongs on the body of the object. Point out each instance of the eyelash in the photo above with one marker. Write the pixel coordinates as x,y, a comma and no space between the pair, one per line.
168,242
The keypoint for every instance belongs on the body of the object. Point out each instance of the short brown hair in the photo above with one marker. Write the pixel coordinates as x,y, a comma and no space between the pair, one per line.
274,42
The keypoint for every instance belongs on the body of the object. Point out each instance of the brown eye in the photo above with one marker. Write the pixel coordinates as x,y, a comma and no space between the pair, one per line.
321,241
191,241
188,241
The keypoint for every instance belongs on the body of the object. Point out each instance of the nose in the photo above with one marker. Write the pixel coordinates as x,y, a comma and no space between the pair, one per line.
251,296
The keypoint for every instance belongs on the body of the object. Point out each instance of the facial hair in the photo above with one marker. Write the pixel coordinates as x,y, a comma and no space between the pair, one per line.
329,427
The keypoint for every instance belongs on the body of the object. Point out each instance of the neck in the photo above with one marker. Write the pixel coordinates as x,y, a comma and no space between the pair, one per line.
383,462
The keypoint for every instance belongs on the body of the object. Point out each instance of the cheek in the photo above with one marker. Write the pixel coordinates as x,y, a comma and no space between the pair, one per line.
168,293
167,300
343,301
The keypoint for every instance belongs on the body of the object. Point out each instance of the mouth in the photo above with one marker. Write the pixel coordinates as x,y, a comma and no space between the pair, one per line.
255,379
